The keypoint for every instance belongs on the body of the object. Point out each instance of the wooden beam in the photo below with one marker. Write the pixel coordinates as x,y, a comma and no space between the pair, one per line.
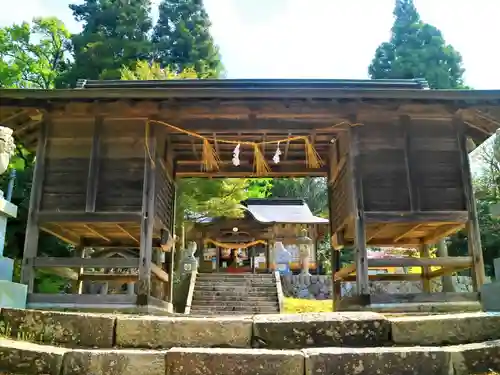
424,276
379,229
407,232
387,277
32,230
421,262
359,213
445,271
76,262
94,163
96,233
442,232
88,217
63,235
127,233
159,273
248,173
411,181
424,297
116,277
473,234
345,271
416,217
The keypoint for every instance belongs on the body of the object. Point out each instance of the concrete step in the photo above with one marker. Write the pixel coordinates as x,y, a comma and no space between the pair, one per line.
51,360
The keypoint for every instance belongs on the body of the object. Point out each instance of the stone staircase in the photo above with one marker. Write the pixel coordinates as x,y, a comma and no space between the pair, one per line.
354,343
230,294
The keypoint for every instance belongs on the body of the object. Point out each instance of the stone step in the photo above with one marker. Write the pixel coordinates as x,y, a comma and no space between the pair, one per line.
221,306
243,294
222,310
236,283
235,289
236,276
232,298
20,357
279,331
269,301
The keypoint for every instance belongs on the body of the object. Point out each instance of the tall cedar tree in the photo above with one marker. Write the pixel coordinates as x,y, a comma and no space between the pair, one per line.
182,38
417,50
114,35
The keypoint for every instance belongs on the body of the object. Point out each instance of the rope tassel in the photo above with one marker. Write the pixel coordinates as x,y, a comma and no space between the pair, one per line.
210,158
259,162
313,160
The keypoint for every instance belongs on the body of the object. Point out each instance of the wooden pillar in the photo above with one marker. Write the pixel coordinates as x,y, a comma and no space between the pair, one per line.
362,284
334,253
446,280
426,283
32,230
78,284
148,209
473,234
172,262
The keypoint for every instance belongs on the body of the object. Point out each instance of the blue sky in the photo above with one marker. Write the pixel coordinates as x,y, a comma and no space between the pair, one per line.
320,38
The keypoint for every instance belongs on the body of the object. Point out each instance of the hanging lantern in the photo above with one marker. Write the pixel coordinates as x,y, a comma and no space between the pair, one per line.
305,245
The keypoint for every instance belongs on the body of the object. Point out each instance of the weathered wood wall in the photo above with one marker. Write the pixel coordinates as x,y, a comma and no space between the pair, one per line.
67,165
98,167
411,165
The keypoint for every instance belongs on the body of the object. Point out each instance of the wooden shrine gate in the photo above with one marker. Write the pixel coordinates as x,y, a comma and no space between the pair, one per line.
108,155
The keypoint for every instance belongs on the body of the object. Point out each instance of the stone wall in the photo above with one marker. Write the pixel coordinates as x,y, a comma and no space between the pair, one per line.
320,286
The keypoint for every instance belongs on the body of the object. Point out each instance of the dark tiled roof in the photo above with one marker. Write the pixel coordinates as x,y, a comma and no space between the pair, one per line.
404,84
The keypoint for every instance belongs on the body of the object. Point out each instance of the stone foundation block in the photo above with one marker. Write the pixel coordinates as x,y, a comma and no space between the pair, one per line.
297,331
114,362
19,357
168,332
182,361
377,361
478,358
54,327
445,329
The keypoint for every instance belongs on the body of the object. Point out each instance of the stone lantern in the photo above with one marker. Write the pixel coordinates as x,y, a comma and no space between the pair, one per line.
12,294
304,244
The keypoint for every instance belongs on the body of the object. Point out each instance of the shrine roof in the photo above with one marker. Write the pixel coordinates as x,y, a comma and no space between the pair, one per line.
282,210
251,108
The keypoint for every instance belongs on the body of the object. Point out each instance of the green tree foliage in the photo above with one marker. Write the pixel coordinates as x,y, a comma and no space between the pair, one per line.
33,55
312,190
417,50
115,34
182,38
